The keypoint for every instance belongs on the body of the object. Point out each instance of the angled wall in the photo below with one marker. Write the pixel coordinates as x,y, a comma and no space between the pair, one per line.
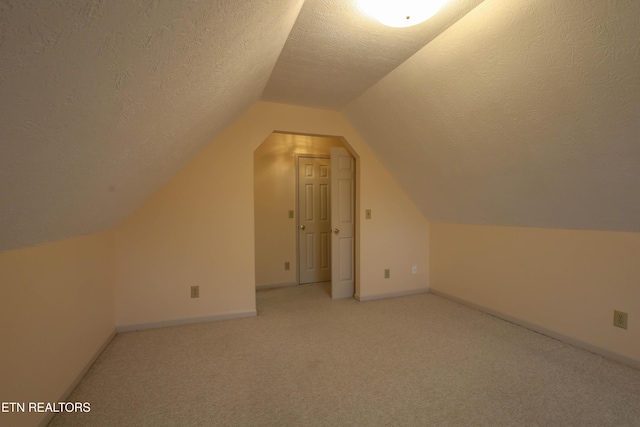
199,228
96,94
523,113
56,313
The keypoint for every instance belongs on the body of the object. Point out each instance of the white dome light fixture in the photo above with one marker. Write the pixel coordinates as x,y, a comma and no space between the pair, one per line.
401,13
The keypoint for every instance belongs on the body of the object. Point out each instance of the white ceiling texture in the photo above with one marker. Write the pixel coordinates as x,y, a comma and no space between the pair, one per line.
503,112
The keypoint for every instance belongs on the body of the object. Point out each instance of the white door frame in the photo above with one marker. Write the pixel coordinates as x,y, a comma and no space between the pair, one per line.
356,259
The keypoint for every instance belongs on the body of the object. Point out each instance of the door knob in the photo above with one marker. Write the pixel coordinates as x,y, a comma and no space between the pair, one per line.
302,227
336,230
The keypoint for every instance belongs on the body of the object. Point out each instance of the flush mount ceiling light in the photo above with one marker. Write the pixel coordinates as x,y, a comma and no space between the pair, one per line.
400,13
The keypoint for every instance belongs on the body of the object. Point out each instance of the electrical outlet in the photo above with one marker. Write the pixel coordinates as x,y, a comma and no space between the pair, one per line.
620,319
414,269
287,265
387,273
195,292
367,214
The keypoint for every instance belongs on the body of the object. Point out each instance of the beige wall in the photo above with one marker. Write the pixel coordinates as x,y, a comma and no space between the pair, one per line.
396,238
56,311
566,281
199,228
275,194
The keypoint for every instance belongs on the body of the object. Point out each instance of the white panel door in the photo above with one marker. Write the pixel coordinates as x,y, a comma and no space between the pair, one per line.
314,219
343,172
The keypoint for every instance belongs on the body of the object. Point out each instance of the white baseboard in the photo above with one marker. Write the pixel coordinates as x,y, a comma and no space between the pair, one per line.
74,383
186,321
276,285
593,348
391,294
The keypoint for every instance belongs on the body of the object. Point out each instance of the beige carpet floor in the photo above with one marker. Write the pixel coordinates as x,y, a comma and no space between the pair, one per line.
306,360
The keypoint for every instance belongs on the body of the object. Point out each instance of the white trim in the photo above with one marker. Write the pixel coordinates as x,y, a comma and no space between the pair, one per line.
391,294
74,383
275,285
186,321
593,348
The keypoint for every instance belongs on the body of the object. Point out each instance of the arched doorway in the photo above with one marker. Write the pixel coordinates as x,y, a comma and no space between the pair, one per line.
279,239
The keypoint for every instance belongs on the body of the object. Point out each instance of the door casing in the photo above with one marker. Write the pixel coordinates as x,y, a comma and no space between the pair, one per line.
356,220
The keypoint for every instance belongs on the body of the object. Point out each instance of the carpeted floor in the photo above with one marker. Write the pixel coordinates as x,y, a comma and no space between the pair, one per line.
306,360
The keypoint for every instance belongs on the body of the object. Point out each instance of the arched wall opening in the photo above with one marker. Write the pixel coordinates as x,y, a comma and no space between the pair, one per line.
277,208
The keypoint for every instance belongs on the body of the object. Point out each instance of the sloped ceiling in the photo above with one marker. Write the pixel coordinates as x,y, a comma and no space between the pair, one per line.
103,101
505,112
335,52
523,113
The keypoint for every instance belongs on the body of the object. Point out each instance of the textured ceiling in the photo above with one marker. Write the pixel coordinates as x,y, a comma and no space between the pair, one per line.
103,101
524,113
334,52
504,112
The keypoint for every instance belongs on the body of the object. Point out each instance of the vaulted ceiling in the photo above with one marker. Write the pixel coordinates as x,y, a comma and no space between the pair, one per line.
335,52
524,113
504,112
